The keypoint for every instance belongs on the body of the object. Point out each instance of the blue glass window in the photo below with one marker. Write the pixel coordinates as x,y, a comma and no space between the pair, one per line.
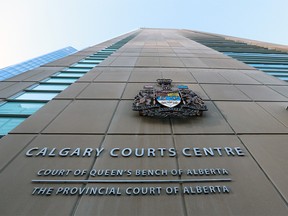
94,58
60,80
269,66
105,52
20,107
50,87
8,124
69,75
275,70
35,96
109,49
96,61
277,74
74,69
99,56
255,54
84,65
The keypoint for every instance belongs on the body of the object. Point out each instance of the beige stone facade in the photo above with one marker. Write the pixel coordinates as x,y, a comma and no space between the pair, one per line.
246,127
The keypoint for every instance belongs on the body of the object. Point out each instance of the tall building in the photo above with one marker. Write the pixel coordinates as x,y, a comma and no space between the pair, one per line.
8,112
14,70
86,152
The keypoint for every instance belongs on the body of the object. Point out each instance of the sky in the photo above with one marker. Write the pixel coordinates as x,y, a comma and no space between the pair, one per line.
30,28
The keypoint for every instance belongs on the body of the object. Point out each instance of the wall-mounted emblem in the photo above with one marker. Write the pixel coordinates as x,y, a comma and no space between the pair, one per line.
168,100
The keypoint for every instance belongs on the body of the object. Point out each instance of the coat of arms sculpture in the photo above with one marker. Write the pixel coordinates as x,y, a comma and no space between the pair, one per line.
166,100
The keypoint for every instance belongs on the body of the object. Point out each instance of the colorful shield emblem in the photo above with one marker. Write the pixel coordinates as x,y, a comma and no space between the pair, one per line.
168,99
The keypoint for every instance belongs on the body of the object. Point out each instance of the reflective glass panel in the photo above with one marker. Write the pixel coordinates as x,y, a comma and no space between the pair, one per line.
275,70
105,52
20,107
70,75
36,96
269,66
8,124
278,74
77,69
61,80
255,54
94,58
96,61
47,87
99,56
109,49
84,65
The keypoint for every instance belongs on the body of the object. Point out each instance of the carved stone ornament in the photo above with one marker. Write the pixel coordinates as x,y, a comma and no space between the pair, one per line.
166,100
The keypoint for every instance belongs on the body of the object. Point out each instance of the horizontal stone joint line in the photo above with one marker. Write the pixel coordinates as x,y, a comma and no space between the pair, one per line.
133,181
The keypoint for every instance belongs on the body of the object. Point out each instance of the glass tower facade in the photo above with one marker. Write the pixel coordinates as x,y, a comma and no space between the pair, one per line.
13,70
